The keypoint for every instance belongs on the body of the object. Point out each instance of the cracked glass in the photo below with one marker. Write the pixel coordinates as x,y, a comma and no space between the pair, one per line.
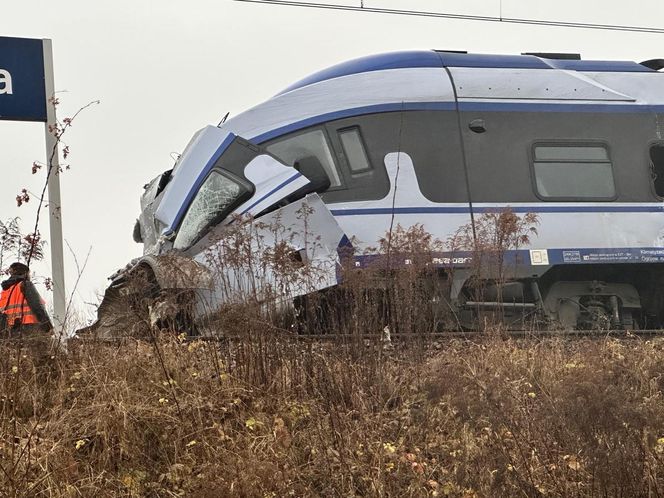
215,199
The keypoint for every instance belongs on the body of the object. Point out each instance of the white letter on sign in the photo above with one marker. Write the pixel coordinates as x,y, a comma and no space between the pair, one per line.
5,82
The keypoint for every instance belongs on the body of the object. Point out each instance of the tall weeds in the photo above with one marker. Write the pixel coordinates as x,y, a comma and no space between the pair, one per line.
276,417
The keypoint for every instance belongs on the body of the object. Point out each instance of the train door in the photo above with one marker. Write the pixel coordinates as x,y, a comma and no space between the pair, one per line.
657,169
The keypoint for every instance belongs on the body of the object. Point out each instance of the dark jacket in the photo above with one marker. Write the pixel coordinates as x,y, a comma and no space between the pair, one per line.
32,297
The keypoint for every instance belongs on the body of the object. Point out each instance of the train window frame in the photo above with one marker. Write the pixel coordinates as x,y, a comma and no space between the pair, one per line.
367,185
652,166
248,190
358,132
343,183
571,144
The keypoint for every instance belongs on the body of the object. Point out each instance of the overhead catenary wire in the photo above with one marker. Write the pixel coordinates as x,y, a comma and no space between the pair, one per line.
467,17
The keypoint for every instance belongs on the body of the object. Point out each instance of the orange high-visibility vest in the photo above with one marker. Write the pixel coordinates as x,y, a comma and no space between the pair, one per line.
15,307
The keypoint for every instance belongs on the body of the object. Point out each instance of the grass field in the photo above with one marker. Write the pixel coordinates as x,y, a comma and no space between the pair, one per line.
269,416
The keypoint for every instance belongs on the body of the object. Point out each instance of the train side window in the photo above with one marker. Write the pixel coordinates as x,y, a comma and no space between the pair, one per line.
354,149
657,165
304,145
573,172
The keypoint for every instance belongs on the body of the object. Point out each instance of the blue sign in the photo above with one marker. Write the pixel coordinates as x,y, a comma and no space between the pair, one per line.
22,90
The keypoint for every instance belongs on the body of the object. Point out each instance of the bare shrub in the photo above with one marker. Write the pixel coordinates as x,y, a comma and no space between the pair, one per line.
394,288
17,246
491,244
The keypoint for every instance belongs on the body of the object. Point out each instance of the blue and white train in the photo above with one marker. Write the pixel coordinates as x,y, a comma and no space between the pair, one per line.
438,138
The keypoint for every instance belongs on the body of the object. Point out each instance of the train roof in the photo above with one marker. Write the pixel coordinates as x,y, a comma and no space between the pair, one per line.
412,80
442,59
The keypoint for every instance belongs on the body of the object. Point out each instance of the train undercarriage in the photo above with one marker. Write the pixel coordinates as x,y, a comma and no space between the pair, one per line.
591,298
564,298
583,297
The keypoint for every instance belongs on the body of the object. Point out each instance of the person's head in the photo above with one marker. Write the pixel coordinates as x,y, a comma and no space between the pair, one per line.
19,270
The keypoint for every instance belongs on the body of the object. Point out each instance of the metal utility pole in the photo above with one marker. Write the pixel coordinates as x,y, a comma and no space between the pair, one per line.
54,201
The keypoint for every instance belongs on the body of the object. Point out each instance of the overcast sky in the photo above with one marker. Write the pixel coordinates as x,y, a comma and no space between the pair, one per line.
162,69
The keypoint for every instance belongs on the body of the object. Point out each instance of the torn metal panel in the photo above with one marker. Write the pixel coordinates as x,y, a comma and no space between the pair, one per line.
244,264
273,182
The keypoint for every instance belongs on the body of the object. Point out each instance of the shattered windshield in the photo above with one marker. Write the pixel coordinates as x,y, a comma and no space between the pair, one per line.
216,197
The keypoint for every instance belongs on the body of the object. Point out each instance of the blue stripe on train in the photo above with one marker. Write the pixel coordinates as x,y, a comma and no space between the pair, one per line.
616,108
353,112
273,191
463,209
522,257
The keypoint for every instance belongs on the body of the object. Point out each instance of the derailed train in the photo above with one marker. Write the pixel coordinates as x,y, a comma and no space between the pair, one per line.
438,138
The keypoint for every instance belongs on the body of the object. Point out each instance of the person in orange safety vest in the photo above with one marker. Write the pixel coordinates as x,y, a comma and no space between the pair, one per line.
20,302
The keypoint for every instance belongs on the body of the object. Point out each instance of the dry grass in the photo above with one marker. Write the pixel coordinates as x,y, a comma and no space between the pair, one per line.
270,416
265,414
